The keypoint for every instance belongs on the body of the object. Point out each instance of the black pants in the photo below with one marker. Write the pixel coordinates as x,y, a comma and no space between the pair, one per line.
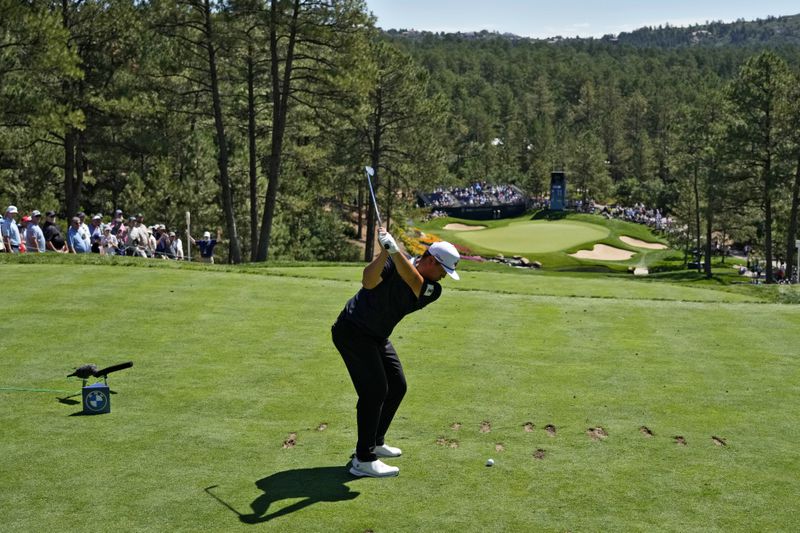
378,377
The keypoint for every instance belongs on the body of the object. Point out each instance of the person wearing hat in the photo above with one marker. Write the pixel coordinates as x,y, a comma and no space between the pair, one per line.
162,241
118,228
96,228
175,246
206,245
24,222
53,237
34,237
138,237
10,231
84,231
108,242
392,287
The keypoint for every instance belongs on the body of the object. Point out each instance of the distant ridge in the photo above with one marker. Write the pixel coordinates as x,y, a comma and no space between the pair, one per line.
772,31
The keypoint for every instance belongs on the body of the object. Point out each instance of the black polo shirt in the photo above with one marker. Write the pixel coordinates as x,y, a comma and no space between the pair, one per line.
377,311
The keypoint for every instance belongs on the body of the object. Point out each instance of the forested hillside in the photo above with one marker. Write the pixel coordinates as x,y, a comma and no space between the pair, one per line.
258,117
707,133
772,31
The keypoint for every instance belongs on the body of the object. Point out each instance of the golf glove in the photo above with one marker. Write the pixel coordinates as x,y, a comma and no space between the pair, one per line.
388,242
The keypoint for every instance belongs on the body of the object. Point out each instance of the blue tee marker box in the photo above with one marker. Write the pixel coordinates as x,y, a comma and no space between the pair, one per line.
96,399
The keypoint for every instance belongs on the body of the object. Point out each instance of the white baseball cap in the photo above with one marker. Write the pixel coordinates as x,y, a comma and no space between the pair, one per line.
447,256
11,209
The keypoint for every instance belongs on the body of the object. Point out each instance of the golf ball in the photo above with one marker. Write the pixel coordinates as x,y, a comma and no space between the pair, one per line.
489,462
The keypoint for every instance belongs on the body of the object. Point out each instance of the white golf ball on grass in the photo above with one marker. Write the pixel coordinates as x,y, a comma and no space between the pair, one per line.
490,462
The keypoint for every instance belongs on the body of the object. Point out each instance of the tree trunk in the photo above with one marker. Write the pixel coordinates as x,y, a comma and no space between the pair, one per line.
251,137
80,162
69,173
222,144
769,276
360,210
389,197
697,243
280,104
709,230
792,231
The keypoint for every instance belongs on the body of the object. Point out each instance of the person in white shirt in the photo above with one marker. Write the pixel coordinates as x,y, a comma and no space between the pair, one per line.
10,231
175,246
108,242
138,238
83,230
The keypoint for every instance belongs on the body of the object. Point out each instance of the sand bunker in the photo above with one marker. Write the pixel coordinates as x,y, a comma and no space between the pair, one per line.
603,253
642,244
463,227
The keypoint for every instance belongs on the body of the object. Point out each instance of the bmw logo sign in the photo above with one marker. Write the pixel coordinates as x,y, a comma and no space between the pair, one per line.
96,401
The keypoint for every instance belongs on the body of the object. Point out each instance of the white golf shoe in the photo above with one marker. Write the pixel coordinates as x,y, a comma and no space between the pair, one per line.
376,468
383,451
387,451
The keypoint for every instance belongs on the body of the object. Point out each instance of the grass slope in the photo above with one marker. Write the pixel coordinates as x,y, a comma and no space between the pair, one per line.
229,365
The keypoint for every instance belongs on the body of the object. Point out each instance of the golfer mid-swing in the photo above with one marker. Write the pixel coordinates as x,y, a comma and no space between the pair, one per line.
392,287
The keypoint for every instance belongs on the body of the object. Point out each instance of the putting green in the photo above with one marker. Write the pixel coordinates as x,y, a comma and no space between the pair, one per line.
536,236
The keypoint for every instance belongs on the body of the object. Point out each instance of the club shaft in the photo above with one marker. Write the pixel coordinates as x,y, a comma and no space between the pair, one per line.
374,201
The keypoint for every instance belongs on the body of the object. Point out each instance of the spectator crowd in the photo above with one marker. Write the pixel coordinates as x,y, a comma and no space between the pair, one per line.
638,214
35,233
477,194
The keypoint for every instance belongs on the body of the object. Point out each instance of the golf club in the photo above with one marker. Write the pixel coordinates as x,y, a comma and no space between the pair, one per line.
371,172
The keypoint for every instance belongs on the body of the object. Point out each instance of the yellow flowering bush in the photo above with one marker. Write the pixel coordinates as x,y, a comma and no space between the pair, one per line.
414,240
417,241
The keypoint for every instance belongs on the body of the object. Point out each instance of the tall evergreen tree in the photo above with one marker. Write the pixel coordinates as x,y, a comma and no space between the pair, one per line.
759,96
310,44
399,130
194,25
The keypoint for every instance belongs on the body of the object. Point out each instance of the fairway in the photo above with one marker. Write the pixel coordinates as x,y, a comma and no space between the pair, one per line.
239,411
536,236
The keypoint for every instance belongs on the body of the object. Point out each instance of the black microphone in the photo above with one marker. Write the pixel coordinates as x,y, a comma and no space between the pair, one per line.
113,368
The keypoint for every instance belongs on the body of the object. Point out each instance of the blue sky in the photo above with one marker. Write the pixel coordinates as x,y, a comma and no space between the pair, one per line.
568,18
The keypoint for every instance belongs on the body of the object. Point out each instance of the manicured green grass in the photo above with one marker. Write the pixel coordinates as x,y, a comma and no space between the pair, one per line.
536,236
228,363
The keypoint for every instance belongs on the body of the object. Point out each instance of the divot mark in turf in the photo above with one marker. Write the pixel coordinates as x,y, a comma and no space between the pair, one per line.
539,454
290,441
499,447
486,426
528,427
447,443
644,430
718,441
322,427
550,429
679,440
597,433
455,426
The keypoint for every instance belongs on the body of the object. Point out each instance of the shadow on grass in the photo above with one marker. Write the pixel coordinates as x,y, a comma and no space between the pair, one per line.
693,276
546,214
322,484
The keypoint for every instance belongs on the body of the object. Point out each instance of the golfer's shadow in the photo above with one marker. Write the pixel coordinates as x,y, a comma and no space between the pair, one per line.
323,484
